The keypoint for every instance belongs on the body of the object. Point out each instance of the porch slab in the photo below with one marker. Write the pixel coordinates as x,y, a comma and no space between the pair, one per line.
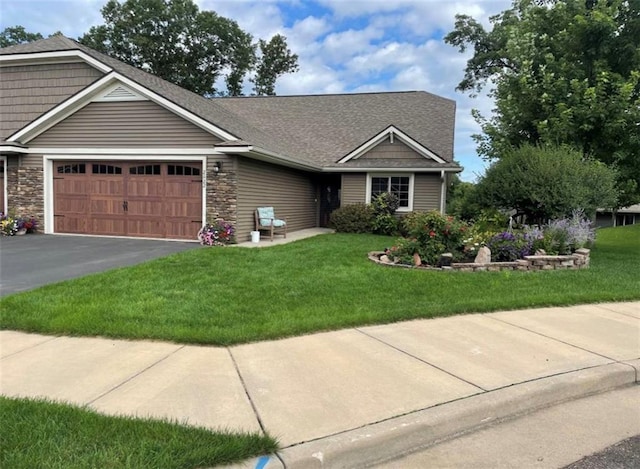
310,387
590,327
483,351
197,386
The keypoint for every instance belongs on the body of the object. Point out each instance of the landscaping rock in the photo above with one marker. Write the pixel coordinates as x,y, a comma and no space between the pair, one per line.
484,256
446,259
416,260
384,258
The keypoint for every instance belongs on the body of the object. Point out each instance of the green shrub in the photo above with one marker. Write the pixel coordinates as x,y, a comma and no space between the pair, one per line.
507,247
404,249
384,208
355,218
435,234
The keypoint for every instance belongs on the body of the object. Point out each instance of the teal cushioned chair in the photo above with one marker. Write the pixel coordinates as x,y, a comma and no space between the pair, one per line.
266,221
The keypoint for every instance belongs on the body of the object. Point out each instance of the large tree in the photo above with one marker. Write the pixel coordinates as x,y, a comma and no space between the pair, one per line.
17,35
562,72
191,48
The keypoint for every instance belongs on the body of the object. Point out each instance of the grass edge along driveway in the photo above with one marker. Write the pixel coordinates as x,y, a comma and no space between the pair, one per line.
224,296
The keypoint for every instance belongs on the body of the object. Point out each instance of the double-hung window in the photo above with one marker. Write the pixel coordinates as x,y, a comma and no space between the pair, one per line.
400,185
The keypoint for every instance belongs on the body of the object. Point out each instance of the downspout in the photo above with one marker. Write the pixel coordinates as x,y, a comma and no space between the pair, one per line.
443,191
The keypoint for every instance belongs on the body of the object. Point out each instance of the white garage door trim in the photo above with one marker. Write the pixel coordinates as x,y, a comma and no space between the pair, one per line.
134,155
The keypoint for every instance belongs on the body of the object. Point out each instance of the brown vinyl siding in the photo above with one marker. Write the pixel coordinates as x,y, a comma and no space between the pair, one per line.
28,91
427,191
354,189
387,150
292,193
31,160
124,124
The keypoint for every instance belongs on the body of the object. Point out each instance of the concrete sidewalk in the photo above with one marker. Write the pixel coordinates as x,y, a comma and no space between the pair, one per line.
350,397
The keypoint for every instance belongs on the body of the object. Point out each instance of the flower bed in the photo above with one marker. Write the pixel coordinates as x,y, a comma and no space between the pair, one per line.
434,240
577,260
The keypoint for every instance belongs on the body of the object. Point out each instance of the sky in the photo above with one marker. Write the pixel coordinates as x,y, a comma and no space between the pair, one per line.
344,46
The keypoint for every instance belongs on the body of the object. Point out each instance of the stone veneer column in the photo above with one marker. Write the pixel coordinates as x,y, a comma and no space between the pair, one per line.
222,193
25,192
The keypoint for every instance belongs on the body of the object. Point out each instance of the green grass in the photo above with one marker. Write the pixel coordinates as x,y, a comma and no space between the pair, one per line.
39,434
233,295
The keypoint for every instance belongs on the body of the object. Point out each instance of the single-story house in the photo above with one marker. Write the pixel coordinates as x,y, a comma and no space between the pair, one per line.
621,217
90,145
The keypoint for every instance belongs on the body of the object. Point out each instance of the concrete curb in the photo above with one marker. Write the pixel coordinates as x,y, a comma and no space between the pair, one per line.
398,436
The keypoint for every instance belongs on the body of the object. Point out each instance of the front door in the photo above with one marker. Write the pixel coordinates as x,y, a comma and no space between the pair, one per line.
330,188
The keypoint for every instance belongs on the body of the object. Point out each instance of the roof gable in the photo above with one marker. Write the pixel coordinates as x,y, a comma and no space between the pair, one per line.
390,133
317,131
105,89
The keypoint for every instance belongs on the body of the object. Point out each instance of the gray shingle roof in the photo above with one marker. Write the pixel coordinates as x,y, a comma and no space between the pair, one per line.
317,129
325,128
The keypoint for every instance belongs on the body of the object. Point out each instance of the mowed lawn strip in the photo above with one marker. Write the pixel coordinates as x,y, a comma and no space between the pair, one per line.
228,296
58,436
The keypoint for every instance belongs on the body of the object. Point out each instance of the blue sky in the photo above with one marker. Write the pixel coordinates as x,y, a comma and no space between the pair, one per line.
344,46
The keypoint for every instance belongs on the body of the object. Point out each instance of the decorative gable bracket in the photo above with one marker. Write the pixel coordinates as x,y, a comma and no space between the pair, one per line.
391,132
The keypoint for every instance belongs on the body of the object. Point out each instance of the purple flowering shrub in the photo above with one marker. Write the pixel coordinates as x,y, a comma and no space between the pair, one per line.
507,247
565,235
219,233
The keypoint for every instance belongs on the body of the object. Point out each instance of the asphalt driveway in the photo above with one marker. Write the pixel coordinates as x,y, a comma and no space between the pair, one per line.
31,261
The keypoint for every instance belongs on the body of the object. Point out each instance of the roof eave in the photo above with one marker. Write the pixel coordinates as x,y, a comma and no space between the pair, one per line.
394,169
262,154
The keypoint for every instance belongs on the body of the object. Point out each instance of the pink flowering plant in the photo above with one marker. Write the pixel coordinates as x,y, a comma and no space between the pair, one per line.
218,233
29,224
430,234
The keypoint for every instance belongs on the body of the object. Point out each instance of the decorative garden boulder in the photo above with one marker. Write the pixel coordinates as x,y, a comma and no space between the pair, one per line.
484,256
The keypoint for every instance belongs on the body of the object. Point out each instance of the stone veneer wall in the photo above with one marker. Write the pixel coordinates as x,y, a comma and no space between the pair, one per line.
222,193
577,260
25,192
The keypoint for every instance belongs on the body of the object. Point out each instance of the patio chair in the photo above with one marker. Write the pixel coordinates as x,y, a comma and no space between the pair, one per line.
266,221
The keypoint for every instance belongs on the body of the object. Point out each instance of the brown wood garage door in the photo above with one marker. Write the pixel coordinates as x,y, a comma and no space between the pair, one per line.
132,198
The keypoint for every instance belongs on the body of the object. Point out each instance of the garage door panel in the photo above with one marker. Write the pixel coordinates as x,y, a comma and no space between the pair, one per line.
110,187
149,227
187,189
105,225
145,187
70,223
182,229
145,208
129,198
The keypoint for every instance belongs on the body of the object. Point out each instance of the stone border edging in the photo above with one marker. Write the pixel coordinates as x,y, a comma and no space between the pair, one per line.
578,260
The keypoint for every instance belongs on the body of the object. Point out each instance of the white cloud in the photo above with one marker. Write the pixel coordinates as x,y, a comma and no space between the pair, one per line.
345,46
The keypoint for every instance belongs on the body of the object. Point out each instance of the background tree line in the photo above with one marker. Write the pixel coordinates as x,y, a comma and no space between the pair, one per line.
178,42
565,77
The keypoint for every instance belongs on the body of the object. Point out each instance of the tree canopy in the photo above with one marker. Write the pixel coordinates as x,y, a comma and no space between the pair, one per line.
563,72
17,35
176,41
547,182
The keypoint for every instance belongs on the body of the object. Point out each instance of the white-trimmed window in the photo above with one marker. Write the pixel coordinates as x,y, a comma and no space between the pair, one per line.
398,184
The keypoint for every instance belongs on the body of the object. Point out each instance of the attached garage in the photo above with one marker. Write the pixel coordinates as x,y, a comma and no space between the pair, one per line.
128,198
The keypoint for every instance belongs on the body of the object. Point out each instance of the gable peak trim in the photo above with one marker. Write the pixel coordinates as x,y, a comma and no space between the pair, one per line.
391,132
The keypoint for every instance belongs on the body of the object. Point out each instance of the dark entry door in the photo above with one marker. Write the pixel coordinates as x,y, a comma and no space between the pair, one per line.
330,189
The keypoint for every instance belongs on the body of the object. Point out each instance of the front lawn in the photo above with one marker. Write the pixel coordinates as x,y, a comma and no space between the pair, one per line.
39,434
227,296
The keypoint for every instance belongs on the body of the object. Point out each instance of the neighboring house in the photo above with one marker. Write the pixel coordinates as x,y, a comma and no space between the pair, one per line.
623,216
91,145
